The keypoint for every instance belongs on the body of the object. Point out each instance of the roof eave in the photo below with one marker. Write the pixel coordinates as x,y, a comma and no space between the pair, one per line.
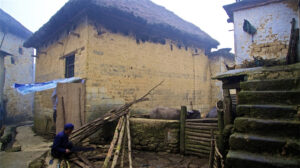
231,8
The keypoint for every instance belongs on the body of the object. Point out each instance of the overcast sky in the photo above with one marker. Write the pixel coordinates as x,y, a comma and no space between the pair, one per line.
209,15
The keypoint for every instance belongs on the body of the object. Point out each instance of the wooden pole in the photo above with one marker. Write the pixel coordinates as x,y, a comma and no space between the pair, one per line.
63,109
228,105
2,79
212,150
220,140
118,148
182,128
129,140
123,148
113,142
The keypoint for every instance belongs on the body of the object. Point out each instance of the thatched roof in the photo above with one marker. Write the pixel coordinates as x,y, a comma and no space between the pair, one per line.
9,24
141,18
245,4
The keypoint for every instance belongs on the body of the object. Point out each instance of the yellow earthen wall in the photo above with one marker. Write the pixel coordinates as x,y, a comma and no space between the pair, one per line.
120,70
50,66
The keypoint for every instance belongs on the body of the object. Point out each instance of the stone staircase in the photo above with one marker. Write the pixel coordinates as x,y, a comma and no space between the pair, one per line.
267,127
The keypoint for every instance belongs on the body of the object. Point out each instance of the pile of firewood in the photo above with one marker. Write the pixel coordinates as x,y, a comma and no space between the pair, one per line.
118,143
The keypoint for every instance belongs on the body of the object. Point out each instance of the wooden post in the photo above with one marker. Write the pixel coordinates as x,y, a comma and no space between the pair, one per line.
220,140
129,140
228,106
212,150
182,128
2,79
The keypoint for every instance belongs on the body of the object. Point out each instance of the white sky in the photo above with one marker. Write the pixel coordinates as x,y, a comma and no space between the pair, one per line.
209,15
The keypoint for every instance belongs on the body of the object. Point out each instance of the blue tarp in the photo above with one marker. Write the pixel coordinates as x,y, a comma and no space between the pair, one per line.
36,87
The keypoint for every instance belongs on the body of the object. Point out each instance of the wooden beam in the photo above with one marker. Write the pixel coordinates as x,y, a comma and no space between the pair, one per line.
182,128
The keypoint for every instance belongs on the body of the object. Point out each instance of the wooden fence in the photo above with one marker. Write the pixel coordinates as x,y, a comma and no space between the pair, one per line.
195,135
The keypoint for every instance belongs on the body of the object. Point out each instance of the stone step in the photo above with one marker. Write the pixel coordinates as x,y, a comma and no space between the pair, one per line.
261,144
266,127
277,84
267,111
269,97
237,159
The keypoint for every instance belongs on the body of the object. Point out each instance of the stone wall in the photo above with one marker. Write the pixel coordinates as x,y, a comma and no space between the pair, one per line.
273,30
18,69
155,135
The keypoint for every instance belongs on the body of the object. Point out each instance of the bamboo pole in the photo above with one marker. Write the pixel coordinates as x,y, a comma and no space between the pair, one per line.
118,148
123,148
90,128
129,140
113,142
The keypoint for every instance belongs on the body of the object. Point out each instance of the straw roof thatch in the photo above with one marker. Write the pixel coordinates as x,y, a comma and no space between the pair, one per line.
141,18
11,25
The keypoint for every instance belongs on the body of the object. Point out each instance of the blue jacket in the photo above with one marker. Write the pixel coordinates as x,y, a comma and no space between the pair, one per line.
61,143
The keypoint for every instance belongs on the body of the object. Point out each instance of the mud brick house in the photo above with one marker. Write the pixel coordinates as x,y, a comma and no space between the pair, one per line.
270,22
16,66
122,49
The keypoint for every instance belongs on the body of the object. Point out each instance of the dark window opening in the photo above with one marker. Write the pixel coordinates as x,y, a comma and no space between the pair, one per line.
70,60
21,50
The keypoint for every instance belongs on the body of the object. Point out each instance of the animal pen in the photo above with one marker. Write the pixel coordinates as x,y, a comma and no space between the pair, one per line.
196,136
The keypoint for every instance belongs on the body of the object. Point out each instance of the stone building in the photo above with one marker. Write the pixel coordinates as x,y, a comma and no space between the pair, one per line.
271,20
122,49
17,67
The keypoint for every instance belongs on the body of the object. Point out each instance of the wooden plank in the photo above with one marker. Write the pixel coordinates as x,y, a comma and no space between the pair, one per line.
203,143
203,124
70,107
201,127
201,131
204,120
182,128
198,138
206,148
197,134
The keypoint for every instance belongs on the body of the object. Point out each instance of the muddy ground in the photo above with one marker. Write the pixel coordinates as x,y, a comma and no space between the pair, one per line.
33,146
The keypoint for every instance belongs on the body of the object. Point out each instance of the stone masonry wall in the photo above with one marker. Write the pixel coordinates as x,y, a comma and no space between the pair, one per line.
155,135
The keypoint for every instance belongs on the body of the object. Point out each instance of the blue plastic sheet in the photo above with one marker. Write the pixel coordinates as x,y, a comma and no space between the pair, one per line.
37,87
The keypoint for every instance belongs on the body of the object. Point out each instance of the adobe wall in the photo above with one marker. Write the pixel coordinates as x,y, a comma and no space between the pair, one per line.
273,30
50,65
120,69
18,69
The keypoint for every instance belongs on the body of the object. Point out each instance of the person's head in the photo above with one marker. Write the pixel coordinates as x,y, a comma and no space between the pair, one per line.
68,128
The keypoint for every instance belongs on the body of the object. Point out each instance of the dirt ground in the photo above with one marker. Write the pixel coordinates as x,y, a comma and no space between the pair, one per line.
166,160
32,146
